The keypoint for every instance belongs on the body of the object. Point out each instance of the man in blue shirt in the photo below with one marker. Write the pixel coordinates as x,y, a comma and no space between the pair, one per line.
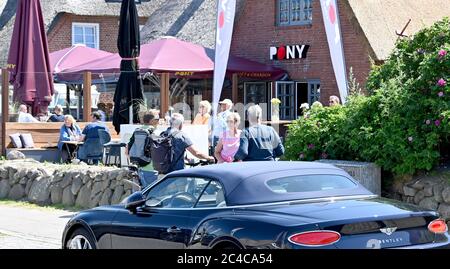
92,146
259,142
181,142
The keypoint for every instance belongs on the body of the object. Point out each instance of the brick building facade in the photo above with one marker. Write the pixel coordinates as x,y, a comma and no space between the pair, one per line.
107,27
258,29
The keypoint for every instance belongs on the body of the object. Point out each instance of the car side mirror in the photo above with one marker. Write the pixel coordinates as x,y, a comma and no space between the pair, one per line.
134,201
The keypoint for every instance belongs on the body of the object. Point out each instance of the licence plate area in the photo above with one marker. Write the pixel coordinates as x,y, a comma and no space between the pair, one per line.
374,241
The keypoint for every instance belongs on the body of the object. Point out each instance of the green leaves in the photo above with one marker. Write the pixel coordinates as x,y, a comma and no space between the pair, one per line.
403,123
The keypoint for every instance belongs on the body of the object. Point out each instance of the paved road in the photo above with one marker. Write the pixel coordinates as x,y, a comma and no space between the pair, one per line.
29,228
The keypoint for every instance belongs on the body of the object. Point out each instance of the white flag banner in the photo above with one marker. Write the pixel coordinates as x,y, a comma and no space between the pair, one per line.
333,30
226,10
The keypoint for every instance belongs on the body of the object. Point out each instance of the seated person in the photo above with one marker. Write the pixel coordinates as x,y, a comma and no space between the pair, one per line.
70,131
24,116
58,116
136,147
92,146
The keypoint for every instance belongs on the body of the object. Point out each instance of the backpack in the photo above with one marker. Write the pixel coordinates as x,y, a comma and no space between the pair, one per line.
162,152
140,150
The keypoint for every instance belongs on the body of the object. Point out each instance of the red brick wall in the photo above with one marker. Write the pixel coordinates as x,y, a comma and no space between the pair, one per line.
60,36
256,31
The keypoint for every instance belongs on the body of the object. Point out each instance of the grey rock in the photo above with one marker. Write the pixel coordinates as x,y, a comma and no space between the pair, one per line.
40,190
409,199
57,177
4,189
106,197
68,198
3,173
46,172
408,191
66,180
418,185
428,190
118,193
28,187
429,203
85,178
98,177
89,184
95,200
56,194
444,211
105,184
97,187
15,155
437,190
83,197
21,173
17,192
23,180
419,197
76,185
11,172
446,195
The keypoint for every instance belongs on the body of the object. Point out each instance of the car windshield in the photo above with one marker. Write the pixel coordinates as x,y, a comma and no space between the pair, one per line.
310,183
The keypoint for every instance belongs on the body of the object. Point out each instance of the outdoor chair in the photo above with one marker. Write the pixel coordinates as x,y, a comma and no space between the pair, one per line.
111,151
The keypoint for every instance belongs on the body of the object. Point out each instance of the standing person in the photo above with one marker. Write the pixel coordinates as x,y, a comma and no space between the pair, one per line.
92,145
259,142
180,143
203,114
58,116
218,125
229,142
138,150
69,131
334,100
24,116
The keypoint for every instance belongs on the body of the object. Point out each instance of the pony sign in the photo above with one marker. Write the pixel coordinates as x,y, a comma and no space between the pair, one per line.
289,52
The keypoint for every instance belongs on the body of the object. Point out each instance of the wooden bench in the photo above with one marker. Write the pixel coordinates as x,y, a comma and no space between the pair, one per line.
45,137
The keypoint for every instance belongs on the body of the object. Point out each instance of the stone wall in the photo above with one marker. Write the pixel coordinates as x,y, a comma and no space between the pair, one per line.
430,191
71,185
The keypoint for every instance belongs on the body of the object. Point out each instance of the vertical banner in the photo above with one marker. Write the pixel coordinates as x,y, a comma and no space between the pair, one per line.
333,30
226,10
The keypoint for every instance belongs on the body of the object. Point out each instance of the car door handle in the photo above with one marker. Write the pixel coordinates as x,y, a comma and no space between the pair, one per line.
173,230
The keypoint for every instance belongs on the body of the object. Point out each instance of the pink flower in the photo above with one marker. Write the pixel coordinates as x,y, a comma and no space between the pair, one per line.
441,93
441,82
324,155
437,123
311,146
442,53
410,139
302,156
428,122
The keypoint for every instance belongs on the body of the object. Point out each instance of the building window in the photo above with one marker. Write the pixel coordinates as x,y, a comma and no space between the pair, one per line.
313,91
294,12
286,94
86,33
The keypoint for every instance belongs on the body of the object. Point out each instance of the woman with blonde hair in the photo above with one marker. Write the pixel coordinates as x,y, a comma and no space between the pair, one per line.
229,142
203,114
69,131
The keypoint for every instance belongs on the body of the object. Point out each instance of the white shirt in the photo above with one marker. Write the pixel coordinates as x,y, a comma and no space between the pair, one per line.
26,117
219,124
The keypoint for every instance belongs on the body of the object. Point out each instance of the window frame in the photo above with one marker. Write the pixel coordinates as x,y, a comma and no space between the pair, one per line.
146,192
84,25
290,22
294,96
316,95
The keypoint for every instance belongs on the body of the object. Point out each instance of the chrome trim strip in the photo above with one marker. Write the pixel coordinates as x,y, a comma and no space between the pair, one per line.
304,201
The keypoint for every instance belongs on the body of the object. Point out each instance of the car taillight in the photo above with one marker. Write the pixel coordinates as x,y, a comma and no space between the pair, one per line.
438,226
315,238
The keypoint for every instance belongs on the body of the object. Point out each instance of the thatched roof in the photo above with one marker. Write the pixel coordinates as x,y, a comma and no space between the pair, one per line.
52,8
380,19
189,20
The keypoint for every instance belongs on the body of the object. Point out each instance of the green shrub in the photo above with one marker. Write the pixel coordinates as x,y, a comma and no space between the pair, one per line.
401,125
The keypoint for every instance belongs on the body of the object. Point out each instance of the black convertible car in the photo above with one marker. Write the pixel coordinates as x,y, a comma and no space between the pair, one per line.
259,205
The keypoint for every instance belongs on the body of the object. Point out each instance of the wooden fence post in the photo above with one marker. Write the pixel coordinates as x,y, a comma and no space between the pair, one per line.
87,101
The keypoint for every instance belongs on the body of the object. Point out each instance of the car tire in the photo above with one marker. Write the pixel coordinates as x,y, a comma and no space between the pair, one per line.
80,239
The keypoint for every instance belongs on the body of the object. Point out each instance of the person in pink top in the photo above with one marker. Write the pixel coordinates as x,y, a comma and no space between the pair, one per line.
229,142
